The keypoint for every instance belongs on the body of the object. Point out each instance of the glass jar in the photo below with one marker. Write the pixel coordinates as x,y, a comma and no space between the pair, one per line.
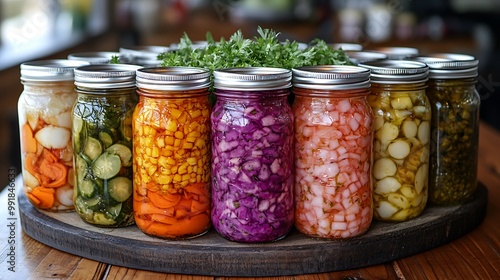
333,145
455,127
401,138
171,141
44,110
102,143
252,154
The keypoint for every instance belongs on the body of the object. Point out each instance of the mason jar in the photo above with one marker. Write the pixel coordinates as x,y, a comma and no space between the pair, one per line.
455,127
102,143
401,138
252,154
44,110
333,151
171,144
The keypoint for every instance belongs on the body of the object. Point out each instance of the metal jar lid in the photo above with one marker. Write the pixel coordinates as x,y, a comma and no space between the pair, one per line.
252,78
50,70
143,55
106,76
365,56
450,66
397,71
97,57
331,77
397,52
173,78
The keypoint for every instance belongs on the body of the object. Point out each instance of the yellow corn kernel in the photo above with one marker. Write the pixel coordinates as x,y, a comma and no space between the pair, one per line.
164,179
205,113
171,161
177,178
198,178
151,170
194,113
148,151
182,169
199,171
186,177
160,142
187,146
155,152
171,125
192,180
199,143
169,140
168,153
177,142
191,161
174,169
153,161
163,161
183,118
175,113
179,134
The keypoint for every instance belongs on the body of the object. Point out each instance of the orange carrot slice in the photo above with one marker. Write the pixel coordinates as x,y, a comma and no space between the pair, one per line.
28,141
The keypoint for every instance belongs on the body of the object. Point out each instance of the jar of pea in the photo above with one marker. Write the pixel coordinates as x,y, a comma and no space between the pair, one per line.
171,142
401,138
455,127
102,143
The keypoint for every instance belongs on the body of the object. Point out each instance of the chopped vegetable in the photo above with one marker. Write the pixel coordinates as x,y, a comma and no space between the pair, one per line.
102,154
172,166
252,147
333,142
401,152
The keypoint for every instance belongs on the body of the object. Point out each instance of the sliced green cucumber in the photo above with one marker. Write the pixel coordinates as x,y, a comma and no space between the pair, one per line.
86,188
101,219
123,152
106,166
93,148
106,139
113,211
120,188
92,203
81,168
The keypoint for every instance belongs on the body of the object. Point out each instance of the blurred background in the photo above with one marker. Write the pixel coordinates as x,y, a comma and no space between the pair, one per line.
39,29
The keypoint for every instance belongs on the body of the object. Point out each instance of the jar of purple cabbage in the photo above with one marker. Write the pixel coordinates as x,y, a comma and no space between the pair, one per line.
252,154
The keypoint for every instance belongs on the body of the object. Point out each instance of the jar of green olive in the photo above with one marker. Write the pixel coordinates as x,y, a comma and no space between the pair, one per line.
102,143
455,127
402,116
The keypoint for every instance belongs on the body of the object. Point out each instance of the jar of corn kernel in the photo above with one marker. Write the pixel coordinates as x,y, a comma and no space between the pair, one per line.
171,142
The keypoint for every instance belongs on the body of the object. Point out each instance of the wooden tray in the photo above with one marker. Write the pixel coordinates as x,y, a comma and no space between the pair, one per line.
213,255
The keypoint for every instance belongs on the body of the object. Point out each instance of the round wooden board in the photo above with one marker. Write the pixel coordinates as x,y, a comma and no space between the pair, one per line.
213,255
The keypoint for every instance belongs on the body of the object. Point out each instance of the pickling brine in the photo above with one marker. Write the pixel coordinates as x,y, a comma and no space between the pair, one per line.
44,110
172,152
252,155
102,144
333,143
401,139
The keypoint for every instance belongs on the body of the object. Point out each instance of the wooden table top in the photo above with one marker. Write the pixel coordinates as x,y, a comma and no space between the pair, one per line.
475,255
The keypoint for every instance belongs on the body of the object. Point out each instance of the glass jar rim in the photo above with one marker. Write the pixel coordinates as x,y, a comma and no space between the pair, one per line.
252,78
106,76
173,78
331,77
50,70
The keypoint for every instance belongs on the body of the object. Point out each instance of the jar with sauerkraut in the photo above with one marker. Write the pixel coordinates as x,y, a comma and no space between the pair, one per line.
171,144
44,110
455,127
401,138
333,146
102,143
252,154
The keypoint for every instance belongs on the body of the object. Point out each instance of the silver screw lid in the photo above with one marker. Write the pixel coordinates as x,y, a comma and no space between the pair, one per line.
173,78
397,71
397,52
365,56
106,76
450,66
252,78
50,70
331,77
143,55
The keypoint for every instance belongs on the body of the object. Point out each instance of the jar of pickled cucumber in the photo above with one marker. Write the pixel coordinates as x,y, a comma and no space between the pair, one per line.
455,127
401,138
333,145
252,154
44,110
171,142
102,143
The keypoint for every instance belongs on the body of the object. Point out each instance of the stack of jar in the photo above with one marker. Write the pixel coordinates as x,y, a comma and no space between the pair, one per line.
144,145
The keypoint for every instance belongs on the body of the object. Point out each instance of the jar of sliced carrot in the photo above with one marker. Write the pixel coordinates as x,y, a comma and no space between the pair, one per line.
252,154
102,143
401,138
333,144
44,110
171,142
